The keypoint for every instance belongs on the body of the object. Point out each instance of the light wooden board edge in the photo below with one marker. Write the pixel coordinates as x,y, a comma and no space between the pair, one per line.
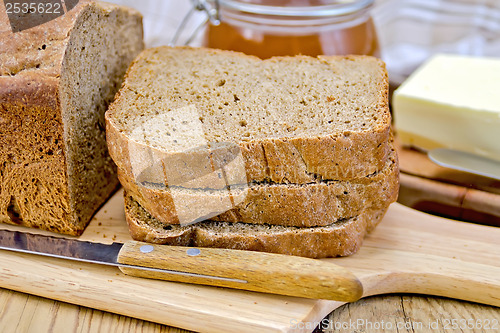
21,312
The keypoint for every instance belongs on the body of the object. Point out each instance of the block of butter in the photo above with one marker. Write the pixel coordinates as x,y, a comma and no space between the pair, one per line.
451,101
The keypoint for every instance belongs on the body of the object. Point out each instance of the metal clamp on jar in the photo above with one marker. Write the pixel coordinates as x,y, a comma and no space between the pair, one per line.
268,28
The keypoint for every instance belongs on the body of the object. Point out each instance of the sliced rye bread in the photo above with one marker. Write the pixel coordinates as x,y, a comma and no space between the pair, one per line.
300,205
293,119
341,238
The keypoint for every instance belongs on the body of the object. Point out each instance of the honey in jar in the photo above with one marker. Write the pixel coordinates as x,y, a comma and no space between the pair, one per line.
268,28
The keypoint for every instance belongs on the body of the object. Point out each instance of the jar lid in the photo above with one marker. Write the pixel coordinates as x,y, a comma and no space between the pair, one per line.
325,8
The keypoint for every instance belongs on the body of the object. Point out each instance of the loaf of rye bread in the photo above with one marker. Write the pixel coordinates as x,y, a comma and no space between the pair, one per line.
301,205
56,81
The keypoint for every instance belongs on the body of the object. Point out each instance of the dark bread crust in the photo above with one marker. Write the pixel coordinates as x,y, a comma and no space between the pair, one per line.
41,185
304,205
339,239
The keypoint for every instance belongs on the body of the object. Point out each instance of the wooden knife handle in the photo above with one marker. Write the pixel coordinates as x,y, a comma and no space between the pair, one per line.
255,271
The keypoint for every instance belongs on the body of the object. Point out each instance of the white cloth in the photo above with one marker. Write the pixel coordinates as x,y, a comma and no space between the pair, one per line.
411,31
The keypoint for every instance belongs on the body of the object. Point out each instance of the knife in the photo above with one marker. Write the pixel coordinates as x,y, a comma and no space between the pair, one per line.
468,162
247,270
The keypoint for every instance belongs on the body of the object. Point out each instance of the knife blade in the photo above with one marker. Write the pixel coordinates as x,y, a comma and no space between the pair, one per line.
468,162
247,270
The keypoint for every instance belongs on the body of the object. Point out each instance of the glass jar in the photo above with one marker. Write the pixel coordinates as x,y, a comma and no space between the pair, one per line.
268,28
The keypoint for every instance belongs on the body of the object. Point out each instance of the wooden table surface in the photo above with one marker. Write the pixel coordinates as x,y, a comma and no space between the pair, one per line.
21,312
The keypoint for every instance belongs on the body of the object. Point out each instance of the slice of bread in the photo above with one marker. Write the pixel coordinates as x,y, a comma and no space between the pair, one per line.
56,81
301,205
294,119
341,238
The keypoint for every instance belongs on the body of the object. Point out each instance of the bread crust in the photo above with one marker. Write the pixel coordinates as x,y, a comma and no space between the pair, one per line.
341,239
303,205
282,160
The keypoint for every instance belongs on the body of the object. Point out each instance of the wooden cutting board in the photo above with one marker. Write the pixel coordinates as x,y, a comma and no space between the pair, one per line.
408,252
431,188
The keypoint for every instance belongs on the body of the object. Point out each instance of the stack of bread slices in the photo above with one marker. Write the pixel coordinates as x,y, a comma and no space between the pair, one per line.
290,155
